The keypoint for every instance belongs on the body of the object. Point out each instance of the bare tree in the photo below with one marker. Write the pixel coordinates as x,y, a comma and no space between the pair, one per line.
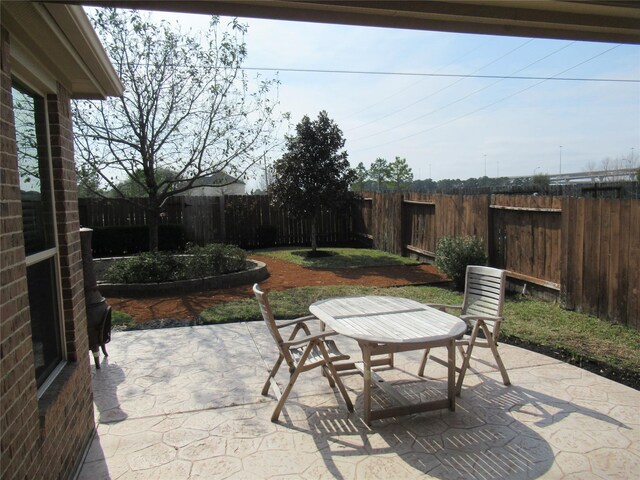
187,108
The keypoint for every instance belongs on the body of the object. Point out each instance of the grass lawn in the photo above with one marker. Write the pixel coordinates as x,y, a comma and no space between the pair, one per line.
336,258
579,337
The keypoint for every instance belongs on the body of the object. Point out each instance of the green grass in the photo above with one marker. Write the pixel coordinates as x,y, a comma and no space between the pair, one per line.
122,319
339,258
535,321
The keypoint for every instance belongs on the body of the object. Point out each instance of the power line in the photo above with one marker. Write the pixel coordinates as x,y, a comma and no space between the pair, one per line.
443,88
488,105
398,92
466,96
454,75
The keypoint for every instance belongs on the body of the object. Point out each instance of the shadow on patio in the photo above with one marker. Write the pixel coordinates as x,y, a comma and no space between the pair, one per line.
185,403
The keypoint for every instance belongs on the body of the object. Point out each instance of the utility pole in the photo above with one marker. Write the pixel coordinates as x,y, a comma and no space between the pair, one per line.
485,165
560,160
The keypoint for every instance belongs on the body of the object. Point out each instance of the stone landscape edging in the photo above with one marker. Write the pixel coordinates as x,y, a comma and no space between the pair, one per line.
256,273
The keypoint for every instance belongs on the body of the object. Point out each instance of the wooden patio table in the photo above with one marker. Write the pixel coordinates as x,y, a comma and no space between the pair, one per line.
387,325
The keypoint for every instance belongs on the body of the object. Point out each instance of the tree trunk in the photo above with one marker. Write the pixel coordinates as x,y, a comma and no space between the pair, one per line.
153,222
314,234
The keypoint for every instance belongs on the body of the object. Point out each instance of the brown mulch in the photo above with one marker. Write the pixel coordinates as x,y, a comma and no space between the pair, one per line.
283,275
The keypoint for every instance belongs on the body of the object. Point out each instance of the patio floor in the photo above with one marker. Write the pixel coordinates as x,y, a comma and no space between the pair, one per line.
185,403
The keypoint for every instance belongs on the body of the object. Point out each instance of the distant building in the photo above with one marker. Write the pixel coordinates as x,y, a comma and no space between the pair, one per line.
210,186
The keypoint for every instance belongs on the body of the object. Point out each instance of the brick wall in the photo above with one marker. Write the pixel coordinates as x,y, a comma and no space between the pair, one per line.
40,438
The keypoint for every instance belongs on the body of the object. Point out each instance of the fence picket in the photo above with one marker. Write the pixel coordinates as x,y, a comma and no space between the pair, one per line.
589,247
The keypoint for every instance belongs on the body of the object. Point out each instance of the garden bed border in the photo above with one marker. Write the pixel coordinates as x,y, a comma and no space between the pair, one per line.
255,273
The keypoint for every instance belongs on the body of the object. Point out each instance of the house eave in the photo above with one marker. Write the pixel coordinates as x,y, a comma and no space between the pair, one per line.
587,20
59,39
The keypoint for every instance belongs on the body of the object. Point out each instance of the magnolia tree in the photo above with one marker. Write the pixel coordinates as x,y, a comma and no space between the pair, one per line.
314,173
188,108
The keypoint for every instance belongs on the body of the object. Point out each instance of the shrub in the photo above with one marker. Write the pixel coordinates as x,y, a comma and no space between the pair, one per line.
148,267
453,254
199,262
214,259
121,319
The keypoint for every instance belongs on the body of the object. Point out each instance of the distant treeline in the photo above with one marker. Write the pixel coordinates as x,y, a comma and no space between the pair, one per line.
538,184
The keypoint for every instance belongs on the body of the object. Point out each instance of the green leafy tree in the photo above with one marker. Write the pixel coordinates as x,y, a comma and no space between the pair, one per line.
314,173
379,173
187,107
400,174
361,177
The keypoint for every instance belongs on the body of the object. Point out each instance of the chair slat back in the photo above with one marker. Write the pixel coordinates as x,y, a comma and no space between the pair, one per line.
484,291
267,315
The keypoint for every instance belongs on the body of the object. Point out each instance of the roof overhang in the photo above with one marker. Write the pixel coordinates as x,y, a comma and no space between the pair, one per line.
58,41
589,20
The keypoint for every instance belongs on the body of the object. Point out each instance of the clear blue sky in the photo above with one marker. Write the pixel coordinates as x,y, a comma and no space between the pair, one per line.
447,127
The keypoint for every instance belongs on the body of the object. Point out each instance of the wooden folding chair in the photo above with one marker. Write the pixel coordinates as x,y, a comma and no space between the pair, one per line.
300,354
481,310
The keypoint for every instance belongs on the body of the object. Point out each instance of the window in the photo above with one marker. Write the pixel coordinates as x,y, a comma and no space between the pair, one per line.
34,168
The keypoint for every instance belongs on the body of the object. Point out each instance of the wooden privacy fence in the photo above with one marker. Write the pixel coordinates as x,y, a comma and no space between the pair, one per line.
588,250
246,220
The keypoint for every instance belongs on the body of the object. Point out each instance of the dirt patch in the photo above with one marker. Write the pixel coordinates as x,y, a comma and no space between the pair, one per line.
284,275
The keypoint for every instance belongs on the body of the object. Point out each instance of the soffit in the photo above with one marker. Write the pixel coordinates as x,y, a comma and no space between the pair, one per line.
590,20
58,41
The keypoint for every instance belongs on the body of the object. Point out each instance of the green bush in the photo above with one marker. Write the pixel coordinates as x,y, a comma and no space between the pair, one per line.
198,262
147,267
214,259
453,254
121,319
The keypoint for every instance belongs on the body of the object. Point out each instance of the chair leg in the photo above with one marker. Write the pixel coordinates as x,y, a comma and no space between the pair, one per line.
467,356
423,363
327,374
333,373
272,374
292,380
494,349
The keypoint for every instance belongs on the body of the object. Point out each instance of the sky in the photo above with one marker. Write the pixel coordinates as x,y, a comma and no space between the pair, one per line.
454,127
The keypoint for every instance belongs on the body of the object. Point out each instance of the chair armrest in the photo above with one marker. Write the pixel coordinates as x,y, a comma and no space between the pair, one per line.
443,307
485,318
308,338
288,323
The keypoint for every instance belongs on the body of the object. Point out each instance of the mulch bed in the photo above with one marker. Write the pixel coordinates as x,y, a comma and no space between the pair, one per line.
284,275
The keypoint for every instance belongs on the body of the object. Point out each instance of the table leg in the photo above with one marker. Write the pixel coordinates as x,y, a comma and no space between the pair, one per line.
366,400
451,380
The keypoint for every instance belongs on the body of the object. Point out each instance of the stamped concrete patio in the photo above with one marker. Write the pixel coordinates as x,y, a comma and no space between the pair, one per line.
185,403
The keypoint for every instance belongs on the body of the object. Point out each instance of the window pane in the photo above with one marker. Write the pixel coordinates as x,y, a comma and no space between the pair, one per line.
33,165
45,325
